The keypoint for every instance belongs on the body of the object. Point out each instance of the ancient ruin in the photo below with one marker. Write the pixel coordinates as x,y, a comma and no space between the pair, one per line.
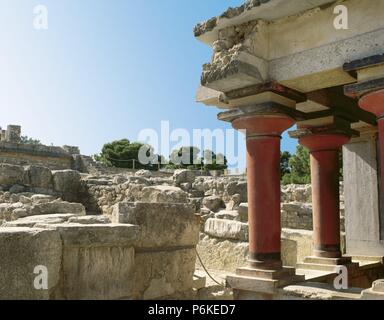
279,63
71,228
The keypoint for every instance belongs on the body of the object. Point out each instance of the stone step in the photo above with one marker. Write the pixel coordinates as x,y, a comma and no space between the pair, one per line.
266,274
328,261
325,267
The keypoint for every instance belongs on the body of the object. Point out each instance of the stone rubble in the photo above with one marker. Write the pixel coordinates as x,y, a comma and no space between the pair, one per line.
88,216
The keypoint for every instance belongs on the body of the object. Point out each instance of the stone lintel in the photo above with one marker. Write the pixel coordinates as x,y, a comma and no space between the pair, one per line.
359,89
364,63
341,105
269,10
210,97
329,261
327,130
271,86
328,264
269,109
327,120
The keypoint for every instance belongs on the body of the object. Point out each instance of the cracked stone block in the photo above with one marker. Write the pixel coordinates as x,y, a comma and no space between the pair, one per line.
179,221
21,251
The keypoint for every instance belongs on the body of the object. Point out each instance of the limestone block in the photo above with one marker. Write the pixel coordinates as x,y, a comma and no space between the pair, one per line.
165,274
39,177
16,189
243,212
11,175
143,173
374,293
225,255
95,235
213,203
21,250
67,182
163,194
196,203
227,215
58,206
184,176
296,245
42,198
226,229
161,225
297,193
238,187
301,208
6,210
90,219
40,219
296,215
98,261
119,179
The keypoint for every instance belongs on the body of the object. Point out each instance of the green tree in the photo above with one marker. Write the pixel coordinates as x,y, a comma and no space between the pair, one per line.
284,163
185,157
214,161
28,140
299,163
124,154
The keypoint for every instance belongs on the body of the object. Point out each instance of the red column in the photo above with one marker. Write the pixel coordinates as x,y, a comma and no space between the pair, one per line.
325,171
263,172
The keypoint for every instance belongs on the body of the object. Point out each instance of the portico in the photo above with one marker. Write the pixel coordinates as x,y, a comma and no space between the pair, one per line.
277,64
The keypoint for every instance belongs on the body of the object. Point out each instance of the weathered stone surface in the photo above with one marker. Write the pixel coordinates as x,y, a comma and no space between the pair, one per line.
226,229
179,220
40,177
90,219
239,187
16,189
163,194
165,274
40,219
97,273
196,203
296,245
243,212
228,215
58,207
297,193
374,293
225,255
42,198
143,173
118,179
21,251
95,235
184,176
297,215
11,175
67,182
213,203
364,231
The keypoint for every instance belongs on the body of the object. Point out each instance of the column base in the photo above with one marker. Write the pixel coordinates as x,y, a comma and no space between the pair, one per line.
249,281
326,264
374,293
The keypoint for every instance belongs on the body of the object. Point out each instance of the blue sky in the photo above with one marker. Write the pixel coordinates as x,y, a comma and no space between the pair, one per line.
104,70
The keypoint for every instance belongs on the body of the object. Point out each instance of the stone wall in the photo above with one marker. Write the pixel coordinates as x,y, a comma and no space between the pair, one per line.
54,158
141,229
142,251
